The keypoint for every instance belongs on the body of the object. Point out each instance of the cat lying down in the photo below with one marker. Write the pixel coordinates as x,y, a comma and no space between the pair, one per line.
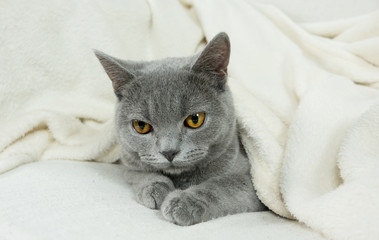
177,127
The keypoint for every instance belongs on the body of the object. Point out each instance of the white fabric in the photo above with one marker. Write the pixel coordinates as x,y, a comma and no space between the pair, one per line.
323,10
309,109
83,200
306,96
56,101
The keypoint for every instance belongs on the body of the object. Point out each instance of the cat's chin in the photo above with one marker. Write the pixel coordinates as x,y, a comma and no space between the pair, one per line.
174,170
175,167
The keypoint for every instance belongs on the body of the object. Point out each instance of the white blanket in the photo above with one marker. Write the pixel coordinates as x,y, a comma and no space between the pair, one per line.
306,95
56,102
309,107
67,200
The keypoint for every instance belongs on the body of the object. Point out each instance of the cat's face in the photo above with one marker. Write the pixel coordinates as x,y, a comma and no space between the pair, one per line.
174,112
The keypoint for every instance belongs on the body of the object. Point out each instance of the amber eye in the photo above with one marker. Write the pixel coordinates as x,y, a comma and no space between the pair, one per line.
195,120
141,127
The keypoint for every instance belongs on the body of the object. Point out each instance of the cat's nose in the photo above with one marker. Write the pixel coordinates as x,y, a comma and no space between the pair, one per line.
169,154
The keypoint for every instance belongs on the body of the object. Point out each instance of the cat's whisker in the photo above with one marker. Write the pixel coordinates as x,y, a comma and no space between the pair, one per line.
146,159
196,150
187,162
146,155
195,153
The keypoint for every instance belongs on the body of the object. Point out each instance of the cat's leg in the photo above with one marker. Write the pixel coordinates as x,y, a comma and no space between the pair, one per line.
214,198
150,188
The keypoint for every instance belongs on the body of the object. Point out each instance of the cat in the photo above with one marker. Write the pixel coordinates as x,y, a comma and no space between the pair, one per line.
177,128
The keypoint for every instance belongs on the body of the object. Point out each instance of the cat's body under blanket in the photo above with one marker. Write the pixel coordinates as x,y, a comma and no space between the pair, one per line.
177,127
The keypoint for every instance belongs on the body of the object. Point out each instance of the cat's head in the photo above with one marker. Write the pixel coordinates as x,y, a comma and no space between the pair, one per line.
175,113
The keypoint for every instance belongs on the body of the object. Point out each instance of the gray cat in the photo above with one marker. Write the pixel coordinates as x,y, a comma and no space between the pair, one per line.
177,127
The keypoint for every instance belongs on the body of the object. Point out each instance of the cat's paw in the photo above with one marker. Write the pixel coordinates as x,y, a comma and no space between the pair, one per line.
183,208
152,195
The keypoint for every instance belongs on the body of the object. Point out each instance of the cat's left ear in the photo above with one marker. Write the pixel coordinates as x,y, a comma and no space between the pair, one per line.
215,57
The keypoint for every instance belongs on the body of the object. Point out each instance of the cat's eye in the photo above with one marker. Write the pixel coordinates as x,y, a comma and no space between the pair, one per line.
141,127
195,120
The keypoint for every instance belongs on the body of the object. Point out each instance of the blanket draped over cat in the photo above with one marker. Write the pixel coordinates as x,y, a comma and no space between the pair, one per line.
306,95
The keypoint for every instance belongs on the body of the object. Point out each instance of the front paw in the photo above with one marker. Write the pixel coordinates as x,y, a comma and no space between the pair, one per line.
183,208
152,195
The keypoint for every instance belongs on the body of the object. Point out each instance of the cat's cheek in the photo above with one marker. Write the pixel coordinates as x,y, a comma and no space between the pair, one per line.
213,130
135,142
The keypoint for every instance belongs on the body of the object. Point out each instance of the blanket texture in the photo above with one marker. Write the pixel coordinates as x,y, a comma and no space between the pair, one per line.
309,110
89,200
56,101
307,95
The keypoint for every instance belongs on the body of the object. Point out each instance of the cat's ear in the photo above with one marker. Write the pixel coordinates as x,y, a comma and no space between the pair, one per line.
115,70
215,56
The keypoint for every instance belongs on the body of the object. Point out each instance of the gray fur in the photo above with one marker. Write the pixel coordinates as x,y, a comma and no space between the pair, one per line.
210,175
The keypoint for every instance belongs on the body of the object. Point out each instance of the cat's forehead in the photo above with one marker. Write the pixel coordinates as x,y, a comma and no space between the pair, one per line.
174,94
170,78
169,94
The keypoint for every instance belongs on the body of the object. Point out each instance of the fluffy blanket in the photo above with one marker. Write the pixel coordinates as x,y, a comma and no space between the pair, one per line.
308,102
307,95
55,100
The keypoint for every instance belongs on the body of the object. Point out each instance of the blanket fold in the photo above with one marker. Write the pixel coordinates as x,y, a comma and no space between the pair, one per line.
56,101
307,106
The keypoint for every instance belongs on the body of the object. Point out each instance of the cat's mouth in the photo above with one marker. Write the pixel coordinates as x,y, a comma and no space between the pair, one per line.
176,167
188,162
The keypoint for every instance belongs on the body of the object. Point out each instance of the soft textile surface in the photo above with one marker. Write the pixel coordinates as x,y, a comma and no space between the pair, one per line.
84,200
309,107
307,95
56,102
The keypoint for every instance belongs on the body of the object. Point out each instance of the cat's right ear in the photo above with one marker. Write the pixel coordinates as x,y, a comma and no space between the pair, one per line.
115,71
